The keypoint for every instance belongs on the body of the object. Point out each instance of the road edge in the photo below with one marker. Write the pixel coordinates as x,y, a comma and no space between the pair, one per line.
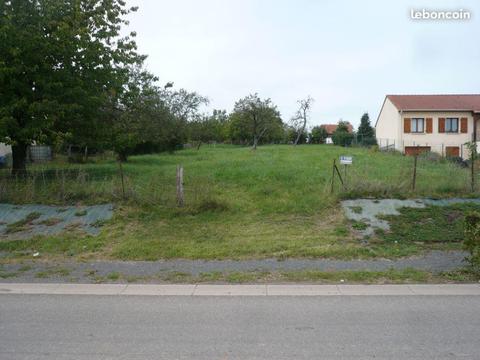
238,290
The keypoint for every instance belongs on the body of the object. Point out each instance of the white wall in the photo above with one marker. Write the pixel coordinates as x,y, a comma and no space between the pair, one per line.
438,141
388,125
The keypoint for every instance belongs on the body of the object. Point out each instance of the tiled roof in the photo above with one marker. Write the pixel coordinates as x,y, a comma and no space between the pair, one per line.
469,102
332,127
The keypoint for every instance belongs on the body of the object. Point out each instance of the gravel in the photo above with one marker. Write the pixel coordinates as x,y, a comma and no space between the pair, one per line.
434,261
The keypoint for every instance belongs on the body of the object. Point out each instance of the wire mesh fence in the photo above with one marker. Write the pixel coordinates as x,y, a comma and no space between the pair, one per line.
98,185
445,149
150,185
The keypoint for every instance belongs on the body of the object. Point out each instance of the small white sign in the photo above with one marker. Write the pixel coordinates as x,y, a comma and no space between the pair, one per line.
346,160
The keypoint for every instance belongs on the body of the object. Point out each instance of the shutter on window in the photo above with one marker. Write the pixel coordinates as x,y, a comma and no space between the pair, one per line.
429,125
406,125
441,125
464,125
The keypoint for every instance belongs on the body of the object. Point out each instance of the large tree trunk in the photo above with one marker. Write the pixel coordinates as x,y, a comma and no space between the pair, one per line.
19,159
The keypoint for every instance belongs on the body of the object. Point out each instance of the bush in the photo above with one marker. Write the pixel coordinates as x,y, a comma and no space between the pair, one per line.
430,156
472,239
342,138
458,161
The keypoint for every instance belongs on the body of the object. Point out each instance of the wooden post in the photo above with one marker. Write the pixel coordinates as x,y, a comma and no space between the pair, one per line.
345,175
180,198
414,171
472,168
333,176
121,177
63,185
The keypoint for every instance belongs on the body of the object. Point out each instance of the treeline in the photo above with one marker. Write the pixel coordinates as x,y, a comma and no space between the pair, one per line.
239,128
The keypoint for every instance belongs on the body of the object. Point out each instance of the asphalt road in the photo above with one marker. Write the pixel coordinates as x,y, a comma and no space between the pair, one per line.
175,327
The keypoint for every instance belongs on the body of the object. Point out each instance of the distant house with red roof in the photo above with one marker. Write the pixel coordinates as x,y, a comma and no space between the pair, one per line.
439,123
330,128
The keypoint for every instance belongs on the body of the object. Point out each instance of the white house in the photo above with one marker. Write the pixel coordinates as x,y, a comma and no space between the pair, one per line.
439,123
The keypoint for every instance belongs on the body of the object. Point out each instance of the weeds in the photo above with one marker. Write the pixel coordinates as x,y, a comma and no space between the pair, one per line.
22,225
52,272
356,209
50,221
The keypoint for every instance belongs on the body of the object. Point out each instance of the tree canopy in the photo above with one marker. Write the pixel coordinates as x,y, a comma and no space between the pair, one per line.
366,133
341,135
60,61
318,135
256,120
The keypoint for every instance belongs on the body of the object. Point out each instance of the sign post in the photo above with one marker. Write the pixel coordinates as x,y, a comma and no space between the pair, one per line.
346,160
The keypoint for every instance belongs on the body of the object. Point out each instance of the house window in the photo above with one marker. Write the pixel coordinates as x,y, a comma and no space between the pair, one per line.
451,125
418,125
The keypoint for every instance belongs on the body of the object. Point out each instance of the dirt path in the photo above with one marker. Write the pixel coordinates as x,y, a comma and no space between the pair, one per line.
30,271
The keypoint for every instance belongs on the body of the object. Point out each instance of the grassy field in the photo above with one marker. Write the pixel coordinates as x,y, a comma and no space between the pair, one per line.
273,202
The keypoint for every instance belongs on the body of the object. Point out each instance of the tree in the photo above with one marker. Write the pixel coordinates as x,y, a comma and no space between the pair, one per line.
255,118
59,63
185,107
209,128
136,116
342,136
318,135
291,135
183,104
299,120
366,133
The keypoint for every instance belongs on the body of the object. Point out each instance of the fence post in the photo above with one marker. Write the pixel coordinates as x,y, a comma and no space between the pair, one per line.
121,177
473,153
333,176
63,185
414,171
180,198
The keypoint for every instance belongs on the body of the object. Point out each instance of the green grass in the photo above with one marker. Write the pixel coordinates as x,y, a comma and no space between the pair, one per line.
51,272
239,203
81,213
23,224
391,276
432,224
311,276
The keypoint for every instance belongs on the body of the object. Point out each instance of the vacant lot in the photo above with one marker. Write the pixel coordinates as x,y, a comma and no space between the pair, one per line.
273,202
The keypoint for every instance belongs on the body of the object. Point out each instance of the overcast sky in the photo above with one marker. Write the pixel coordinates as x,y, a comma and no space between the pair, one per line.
345,54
